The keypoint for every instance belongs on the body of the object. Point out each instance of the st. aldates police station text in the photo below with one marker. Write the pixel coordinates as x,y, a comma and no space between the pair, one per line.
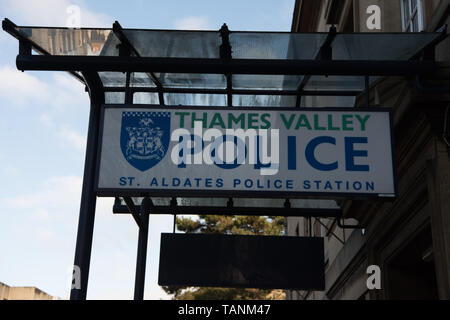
328,151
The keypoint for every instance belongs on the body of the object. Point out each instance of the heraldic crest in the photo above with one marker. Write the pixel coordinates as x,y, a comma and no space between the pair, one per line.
144,138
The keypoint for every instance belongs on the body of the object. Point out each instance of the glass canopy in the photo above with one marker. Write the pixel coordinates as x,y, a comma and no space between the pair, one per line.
232,89
245,45
229,89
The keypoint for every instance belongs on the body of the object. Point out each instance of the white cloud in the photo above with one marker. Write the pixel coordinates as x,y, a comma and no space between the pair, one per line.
55,192
22,89
10,171
44,222
193,23
46,120
64,91
51,13
74,138
69,83
45,236
4,36
41,214
155,292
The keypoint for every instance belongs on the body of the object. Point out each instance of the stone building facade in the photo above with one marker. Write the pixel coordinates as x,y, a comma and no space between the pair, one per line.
23,293
409,238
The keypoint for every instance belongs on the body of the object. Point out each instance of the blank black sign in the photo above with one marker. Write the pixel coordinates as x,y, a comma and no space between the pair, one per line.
266,262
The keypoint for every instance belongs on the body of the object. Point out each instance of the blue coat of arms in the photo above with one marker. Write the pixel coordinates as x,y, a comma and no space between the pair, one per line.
144,138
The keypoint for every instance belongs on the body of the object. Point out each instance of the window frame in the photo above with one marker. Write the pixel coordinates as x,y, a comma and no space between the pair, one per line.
408,23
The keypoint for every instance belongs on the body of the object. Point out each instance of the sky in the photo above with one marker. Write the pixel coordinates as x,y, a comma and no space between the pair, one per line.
43,129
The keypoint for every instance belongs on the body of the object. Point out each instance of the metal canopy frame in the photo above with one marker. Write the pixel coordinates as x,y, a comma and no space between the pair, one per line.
230,209
130,60
86,69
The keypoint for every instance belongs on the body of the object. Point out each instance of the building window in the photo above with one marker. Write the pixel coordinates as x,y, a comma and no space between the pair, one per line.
412,15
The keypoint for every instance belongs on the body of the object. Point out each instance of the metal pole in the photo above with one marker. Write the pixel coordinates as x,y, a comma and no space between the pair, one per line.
88,197
242,211
142,250
240,91
367,90
233,66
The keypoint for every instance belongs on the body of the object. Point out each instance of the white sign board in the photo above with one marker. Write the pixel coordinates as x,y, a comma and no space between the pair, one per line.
175,151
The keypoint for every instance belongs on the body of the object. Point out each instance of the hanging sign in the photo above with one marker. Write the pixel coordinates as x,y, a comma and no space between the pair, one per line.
245,151
241,261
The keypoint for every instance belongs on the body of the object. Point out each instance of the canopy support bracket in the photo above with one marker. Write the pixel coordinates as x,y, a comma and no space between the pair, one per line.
230,209
330,231
134,210
226,54
118,31
25,47
345,226
25,42
325,53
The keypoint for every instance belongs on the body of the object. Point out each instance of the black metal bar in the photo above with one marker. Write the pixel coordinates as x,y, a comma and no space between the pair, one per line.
128,92
11,28
141,260
299,99
134,210
218,66
324,53
429,48
229,90
331,228
329,231
225,54
161,97
336,93
287,204
125,51
88,197
174,204
429,53
345,226
225,47
118,31
245,211
25,42
367,90
117,203
25,47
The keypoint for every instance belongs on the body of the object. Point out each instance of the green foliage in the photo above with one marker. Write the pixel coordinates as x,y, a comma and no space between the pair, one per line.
255,225
232,225
225,294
